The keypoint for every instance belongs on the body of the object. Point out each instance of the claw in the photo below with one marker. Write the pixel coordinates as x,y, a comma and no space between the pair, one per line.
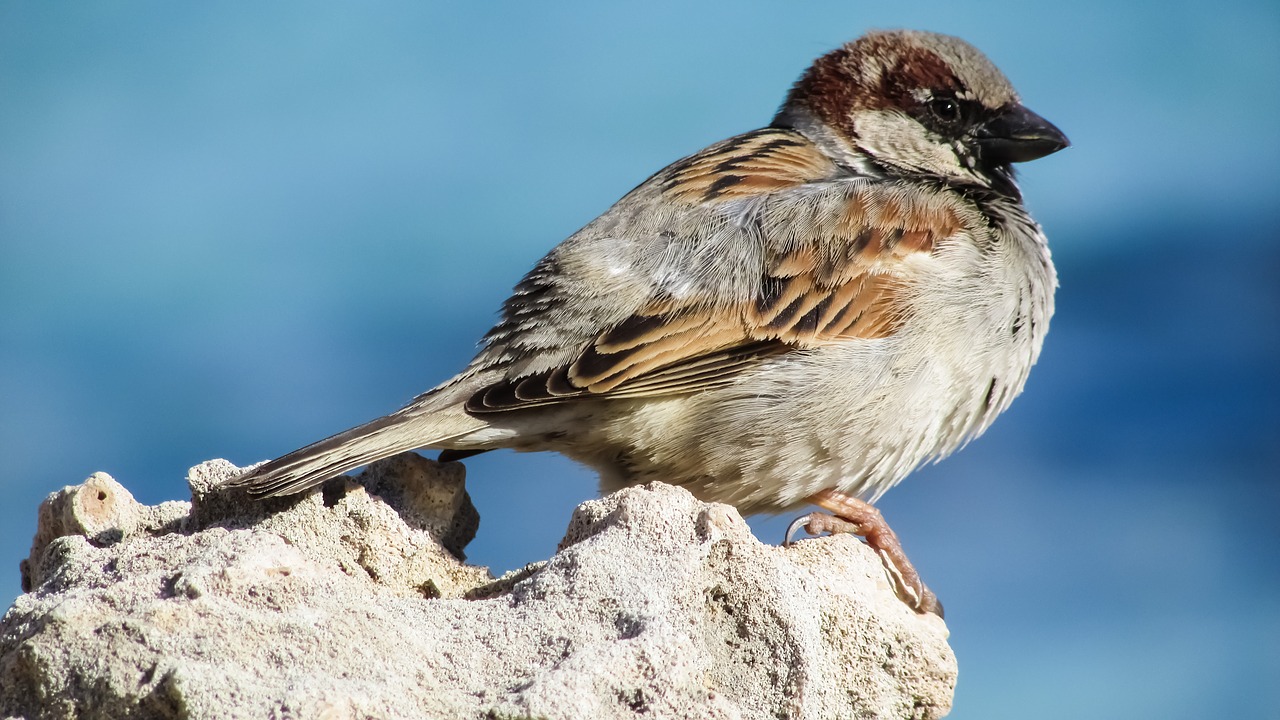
857,517
795,526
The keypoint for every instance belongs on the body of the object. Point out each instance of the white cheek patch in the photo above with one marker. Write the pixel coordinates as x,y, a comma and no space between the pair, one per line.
893,138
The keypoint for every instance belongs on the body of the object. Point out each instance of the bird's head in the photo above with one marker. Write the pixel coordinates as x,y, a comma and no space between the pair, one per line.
918,103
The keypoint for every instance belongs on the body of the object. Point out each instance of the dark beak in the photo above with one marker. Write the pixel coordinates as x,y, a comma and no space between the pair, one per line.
1018,135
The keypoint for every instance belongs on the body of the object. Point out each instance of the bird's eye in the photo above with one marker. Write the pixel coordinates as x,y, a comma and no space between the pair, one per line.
945,109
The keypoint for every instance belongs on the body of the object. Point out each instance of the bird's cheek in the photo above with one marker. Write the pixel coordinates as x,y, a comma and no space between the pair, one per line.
896,139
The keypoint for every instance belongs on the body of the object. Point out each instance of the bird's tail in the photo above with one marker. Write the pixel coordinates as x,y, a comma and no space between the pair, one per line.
398,432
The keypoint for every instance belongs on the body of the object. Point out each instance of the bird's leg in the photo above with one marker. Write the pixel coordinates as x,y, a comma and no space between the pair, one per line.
857,517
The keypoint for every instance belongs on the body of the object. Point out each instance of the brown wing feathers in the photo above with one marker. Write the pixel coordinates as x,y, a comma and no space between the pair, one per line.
756,163
824,290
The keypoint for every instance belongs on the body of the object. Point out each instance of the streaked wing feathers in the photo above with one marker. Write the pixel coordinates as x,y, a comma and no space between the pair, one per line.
755,163
840,281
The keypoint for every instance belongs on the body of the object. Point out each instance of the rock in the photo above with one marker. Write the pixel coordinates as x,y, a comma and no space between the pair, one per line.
345,604
100,510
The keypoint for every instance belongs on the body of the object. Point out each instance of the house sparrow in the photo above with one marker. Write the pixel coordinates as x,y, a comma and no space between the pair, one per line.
801,314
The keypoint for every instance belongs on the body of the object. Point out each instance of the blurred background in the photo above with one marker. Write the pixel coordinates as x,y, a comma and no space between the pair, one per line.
229,230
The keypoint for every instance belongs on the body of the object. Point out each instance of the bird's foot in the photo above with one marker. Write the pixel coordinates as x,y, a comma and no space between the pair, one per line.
857,517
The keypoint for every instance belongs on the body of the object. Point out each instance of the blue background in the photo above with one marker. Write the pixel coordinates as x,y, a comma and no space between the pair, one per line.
229,231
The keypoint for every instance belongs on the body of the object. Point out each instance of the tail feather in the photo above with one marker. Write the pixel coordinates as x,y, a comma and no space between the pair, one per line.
312,465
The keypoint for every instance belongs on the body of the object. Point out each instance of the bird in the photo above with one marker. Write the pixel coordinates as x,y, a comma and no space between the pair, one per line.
796,316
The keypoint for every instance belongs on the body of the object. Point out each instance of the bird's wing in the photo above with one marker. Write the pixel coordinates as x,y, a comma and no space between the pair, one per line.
832,269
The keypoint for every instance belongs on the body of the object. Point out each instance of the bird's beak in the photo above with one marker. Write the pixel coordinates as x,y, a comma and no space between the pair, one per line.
1018,135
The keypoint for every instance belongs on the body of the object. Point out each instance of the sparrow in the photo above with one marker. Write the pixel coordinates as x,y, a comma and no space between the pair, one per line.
798,315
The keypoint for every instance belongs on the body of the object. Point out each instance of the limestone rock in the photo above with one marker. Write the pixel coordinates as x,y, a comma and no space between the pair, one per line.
351,602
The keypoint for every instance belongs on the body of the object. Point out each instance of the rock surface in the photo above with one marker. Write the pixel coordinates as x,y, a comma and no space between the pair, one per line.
352,603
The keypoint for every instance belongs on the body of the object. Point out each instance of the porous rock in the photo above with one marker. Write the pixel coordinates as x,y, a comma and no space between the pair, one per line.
352,602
